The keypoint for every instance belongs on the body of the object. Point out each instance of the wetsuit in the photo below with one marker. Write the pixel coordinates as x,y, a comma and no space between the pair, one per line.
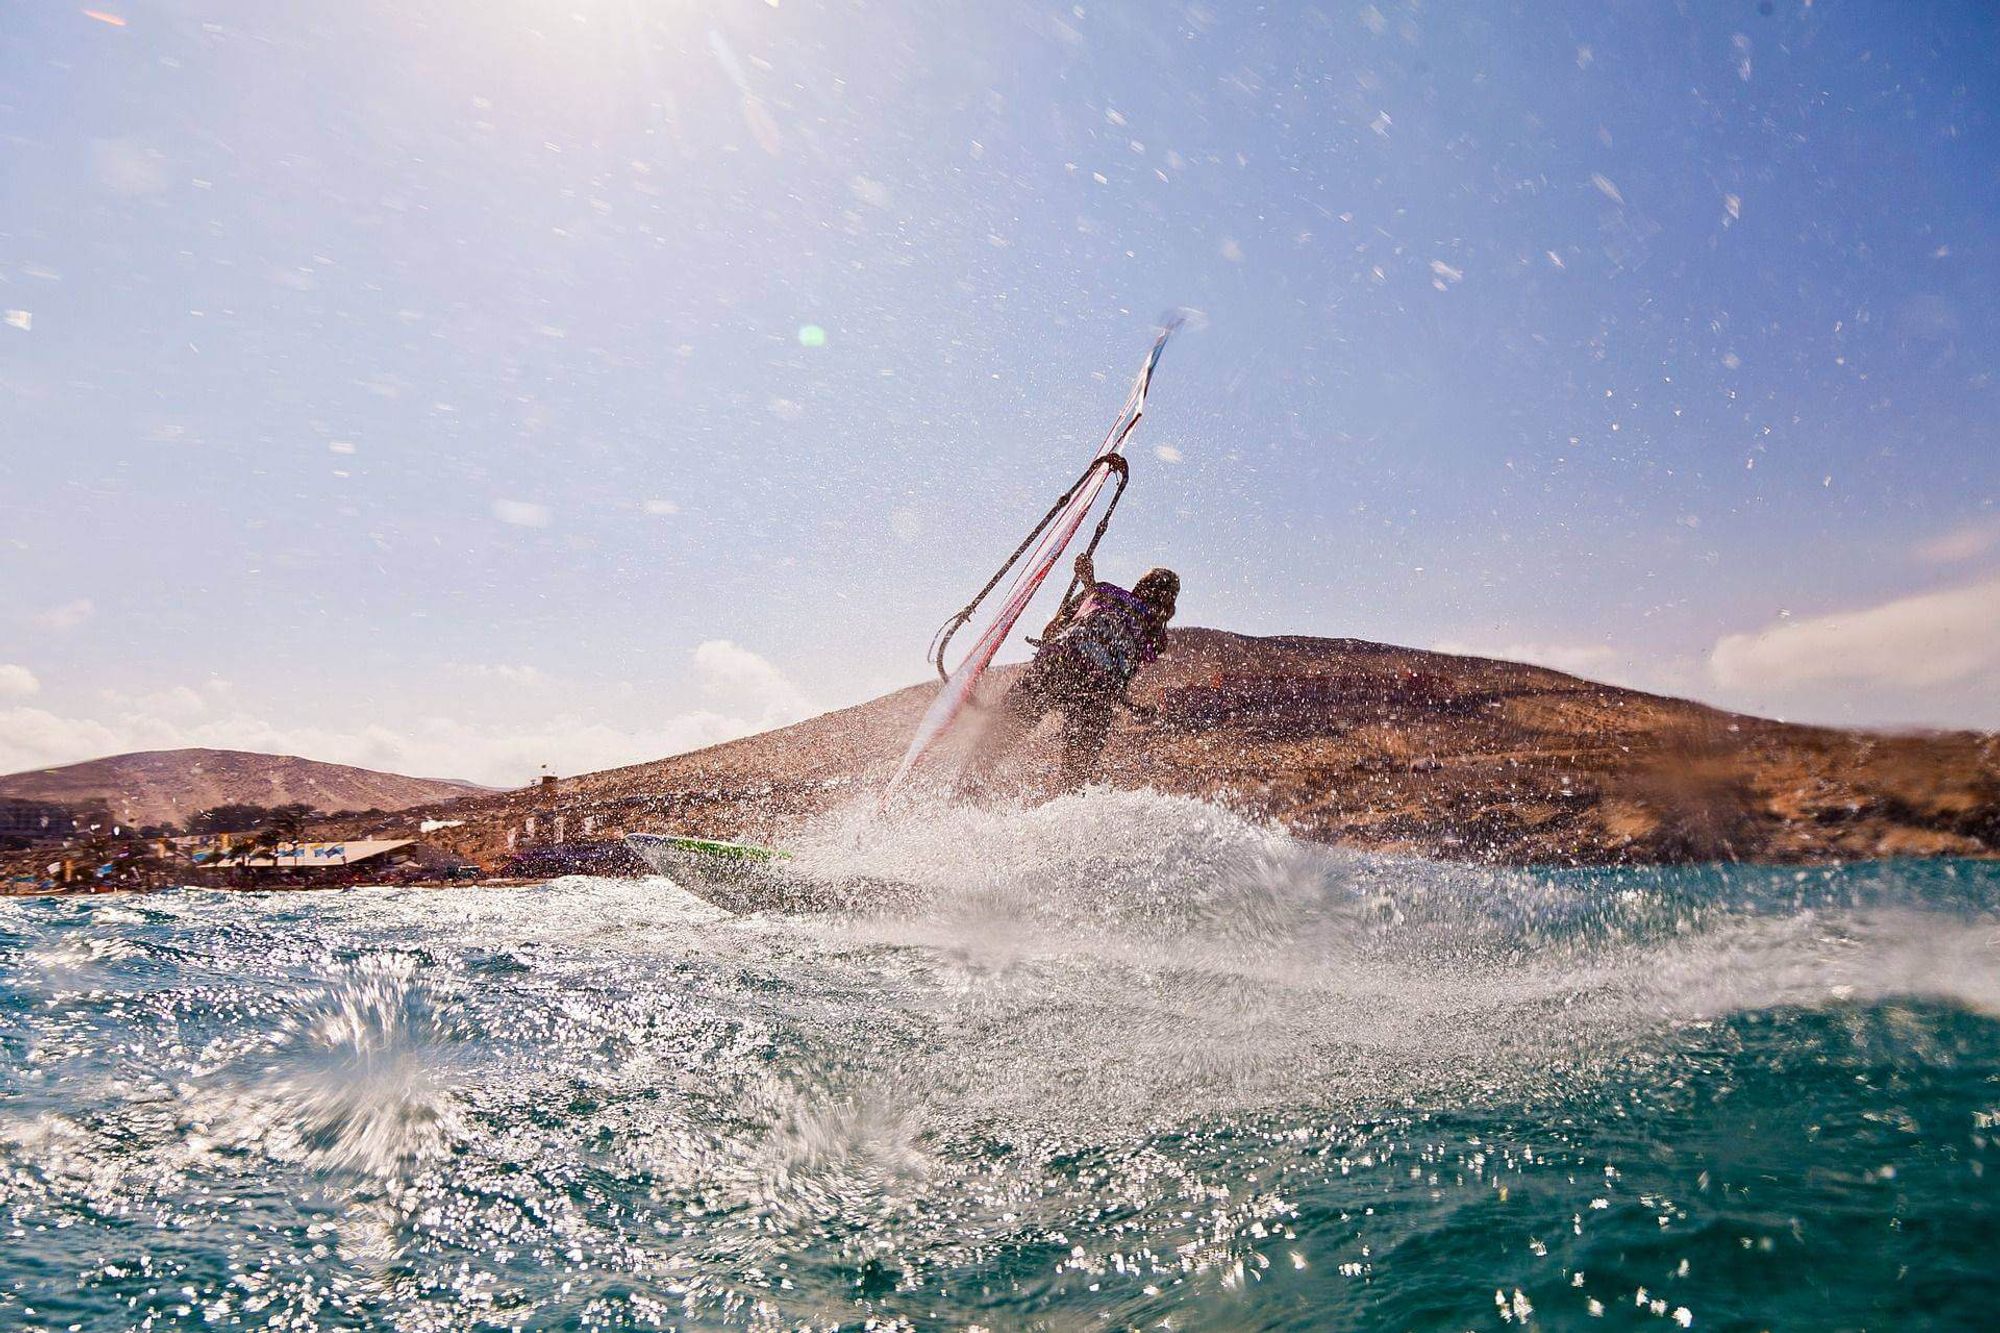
1083,671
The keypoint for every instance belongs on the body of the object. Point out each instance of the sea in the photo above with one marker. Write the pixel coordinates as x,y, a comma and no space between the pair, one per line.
1132,1062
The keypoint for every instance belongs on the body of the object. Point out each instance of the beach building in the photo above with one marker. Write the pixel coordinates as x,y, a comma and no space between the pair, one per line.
324,864
34,821
375,853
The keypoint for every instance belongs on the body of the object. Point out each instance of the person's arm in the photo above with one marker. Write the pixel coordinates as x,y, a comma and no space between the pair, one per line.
1086,579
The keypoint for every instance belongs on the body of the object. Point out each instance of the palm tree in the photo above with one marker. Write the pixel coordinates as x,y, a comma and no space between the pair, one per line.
290,821
148,866
124,862
91,853
285,827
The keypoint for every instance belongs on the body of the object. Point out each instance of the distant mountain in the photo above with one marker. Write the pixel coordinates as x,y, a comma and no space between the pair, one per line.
168,786
1361,745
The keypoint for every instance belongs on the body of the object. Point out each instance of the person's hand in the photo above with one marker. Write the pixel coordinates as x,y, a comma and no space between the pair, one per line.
1085,570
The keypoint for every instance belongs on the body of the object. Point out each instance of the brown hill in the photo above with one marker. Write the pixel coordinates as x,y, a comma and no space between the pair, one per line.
1364,745
167,786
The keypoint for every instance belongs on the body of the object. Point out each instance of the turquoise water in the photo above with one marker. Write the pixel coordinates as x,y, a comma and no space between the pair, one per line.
1140,1065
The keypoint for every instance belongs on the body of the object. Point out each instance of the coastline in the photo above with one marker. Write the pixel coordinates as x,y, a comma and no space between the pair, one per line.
1346,744
1337,742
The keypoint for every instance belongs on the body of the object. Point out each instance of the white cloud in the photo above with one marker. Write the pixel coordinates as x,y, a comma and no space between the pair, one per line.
521,513
1580,659
661,508
37,738
1593,661
67,616
740,679
1967,542
506,672
500,755
871,192
129,167
1922,642
175,701
17,682
1166,453
749,694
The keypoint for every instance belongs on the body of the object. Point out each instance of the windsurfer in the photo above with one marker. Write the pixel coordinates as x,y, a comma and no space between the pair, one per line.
1083,666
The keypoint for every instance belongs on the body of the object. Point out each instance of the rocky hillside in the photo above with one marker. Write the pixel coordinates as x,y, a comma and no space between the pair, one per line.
1363,745
167,786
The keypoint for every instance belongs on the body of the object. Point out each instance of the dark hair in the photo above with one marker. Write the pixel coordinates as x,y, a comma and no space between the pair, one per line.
1158,585
1158,589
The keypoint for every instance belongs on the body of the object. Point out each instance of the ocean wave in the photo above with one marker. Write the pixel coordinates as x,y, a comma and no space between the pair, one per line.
1135,1053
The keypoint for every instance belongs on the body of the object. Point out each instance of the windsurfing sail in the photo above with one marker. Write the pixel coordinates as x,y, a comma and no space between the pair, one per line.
1033,559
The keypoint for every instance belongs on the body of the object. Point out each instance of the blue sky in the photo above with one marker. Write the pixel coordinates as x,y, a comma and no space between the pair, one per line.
422,384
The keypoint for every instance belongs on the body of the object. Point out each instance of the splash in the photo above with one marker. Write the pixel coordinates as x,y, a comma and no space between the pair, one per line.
1127,1059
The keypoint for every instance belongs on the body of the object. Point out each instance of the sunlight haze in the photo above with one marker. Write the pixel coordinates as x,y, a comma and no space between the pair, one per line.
456,388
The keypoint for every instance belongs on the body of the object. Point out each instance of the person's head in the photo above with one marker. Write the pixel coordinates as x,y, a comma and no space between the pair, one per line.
1159,589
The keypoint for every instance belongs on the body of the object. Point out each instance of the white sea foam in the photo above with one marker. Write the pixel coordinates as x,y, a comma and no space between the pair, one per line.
1087,987
1126,950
